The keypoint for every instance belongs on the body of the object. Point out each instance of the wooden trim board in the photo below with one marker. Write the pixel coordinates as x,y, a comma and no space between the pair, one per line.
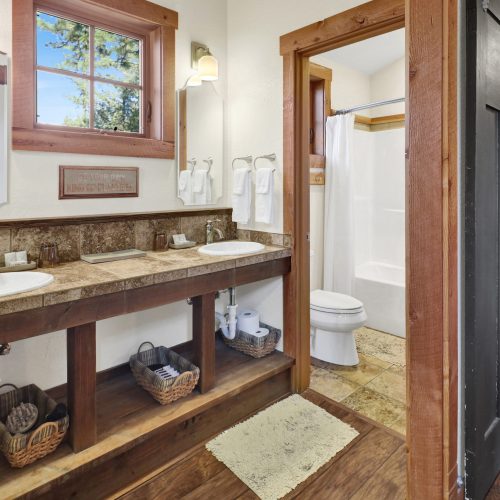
94,219
431,217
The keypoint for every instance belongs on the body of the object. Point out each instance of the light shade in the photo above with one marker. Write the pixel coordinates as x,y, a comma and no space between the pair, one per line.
208,68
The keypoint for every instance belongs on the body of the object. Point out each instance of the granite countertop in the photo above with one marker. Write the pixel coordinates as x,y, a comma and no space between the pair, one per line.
80,280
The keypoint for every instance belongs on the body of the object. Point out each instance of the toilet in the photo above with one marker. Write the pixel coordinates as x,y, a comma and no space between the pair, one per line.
334,317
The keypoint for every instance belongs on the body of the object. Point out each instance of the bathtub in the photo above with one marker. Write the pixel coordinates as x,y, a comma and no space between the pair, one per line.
381,288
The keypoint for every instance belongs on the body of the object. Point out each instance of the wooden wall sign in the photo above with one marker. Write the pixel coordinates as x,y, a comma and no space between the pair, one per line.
98,182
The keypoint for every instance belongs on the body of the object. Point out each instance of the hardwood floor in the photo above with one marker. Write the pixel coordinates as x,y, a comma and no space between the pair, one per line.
373,466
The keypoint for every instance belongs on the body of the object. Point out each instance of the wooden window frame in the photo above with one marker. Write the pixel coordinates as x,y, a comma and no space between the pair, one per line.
431,212
156,26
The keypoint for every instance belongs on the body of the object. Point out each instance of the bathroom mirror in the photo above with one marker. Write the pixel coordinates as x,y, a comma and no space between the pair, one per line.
200,148
3,127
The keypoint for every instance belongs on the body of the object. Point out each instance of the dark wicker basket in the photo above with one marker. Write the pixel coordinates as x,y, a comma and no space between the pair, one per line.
23,449
164,391
257,347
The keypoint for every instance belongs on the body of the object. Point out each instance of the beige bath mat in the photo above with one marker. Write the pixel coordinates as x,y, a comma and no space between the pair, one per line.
280,447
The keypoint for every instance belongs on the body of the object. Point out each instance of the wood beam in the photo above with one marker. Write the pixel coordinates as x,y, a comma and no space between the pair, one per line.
204,339
81,347
23,325
353,25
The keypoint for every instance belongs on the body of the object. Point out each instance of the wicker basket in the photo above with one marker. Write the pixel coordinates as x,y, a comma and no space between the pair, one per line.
257,347
164,391
23,449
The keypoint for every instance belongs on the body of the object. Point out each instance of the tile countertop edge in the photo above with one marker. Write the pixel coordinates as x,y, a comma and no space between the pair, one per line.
110,281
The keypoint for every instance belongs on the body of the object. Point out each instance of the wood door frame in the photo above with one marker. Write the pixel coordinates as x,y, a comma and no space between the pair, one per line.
431,215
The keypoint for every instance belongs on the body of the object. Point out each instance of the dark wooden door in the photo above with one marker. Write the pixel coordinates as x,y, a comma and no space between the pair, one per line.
482,251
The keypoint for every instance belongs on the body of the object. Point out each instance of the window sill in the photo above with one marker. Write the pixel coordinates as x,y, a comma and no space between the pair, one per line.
90,143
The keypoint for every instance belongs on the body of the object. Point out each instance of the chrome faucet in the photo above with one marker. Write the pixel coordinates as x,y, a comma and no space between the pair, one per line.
210,230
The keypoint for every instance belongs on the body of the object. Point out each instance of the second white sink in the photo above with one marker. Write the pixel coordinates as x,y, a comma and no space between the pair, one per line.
24,281
231,248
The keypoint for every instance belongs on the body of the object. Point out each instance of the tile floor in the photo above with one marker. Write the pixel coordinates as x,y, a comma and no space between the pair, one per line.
376,387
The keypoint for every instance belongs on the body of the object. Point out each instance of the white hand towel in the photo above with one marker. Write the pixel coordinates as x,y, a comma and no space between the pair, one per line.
242,196
263,179
185,187
199,178
202,189
264,194
240,180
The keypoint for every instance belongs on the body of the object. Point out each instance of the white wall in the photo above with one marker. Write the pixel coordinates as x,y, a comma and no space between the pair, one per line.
389,83
33,192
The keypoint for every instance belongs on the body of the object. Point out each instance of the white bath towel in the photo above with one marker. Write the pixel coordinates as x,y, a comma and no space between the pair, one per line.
185,187
264,194
242,196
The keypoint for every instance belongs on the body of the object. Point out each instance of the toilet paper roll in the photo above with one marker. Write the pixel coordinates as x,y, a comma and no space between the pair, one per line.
248,320
261,332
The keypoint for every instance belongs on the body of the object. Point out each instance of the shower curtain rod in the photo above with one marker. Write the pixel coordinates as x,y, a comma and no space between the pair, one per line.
370,105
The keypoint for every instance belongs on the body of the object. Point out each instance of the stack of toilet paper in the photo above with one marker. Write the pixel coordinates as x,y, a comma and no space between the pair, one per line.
249,322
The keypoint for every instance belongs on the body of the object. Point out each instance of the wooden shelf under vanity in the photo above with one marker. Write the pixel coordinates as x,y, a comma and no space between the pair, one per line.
131,425
117,432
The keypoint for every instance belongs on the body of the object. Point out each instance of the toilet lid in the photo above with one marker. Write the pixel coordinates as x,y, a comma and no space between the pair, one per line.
324,301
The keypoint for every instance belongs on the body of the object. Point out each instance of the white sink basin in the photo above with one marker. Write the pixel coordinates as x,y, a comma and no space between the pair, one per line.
23,281
231,248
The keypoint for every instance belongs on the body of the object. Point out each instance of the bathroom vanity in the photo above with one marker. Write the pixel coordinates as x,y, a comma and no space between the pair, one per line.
110,415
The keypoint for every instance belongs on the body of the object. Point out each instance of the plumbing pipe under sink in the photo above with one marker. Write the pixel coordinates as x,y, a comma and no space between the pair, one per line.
228,321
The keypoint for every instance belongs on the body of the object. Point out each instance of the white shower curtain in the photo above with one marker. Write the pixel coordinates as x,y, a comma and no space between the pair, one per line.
338,255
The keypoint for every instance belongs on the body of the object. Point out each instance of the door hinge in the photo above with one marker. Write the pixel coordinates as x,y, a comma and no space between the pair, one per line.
486,5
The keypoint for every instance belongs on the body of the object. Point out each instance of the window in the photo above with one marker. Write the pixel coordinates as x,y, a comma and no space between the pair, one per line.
93,79
93,74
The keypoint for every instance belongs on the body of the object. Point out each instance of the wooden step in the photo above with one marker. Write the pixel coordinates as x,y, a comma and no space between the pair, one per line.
138,433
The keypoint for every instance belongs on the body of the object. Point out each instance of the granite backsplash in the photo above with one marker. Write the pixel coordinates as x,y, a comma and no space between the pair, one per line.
85,235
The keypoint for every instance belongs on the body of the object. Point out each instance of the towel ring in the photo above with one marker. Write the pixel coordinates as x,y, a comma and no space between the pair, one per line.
209,161
270,157
248,159
192,162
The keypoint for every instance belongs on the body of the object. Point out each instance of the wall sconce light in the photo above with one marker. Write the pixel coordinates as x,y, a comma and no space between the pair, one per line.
203,61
